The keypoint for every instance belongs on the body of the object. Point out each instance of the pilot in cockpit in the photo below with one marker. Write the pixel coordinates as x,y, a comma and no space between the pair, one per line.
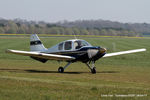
78,44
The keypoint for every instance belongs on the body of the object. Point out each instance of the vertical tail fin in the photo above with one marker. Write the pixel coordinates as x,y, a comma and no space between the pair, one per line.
36,44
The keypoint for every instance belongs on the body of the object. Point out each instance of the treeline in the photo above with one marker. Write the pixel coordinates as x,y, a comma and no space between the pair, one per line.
19,26
143,28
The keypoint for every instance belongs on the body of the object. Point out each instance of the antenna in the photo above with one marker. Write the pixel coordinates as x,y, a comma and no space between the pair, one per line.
74,35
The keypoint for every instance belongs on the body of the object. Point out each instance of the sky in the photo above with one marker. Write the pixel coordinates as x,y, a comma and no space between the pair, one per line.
133,11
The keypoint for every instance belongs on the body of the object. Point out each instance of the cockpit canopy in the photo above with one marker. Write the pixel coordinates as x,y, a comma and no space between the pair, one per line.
72,44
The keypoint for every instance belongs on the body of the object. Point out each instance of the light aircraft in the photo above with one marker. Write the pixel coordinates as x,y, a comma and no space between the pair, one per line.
70,51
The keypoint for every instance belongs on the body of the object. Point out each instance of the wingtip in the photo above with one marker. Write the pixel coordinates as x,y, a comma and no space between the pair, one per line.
8,51
144,49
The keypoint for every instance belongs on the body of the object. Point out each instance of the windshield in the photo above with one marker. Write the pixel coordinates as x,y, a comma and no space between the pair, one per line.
80,43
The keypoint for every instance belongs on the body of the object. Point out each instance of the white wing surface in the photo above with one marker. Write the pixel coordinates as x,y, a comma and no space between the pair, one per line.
41,55
124,52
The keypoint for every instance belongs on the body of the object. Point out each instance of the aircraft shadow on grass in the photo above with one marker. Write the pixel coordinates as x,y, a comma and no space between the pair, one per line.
43,71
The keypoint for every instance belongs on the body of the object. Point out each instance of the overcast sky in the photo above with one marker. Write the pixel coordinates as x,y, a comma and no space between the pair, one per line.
58,10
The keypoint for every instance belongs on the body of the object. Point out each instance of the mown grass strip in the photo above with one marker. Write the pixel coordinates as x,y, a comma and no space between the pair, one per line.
64,82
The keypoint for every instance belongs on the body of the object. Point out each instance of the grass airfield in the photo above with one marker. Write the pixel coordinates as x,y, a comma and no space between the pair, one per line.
125,77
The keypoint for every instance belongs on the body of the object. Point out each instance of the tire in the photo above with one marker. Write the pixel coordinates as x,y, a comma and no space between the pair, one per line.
93,70
60,69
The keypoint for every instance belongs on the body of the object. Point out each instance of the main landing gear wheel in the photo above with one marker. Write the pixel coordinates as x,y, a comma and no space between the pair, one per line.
93,70
60,69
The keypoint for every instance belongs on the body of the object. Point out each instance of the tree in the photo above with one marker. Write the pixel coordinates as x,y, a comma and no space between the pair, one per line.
12,27
84,32
69,31
2,30
76,31
31,29
21,30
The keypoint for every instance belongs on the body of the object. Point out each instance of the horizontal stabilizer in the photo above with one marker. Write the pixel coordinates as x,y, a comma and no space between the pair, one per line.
124,52
41,55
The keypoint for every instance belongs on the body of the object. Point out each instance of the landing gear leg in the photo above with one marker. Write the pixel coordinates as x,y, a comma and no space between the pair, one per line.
61,69
92,67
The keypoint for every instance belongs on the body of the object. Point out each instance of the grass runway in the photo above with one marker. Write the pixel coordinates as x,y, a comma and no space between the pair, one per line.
125,77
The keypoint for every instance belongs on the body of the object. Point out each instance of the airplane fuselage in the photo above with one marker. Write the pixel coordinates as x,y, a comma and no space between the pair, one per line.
82,54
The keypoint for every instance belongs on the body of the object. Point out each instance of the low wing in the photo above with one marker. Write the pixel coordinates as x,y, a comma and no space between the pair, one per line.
41,55
124,52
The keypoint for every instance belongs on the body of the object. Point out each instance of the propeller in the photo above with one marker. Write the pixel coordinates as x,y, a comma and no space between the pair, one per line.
102,50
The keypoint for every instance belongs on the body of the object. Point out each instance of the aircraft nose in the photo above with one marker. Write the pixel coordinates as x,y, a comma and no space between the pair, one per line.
103,50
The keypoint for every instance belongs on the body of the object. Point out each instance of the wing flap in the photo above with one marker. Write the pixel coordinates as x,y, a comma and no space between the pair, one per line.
124,52
41,55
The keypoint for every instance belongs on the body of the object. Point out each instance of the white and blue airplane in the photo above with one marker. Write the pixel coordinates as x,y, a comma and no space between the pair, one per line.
70,51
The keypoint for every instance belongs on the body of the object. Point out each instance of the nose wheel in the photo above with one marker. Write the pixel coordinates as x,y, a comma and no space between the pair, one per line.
93,70
92,67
